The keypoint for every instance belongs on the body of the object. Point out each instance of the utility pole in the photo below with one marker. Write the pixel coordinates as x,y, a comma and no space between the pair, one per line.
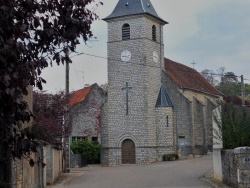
243,90
67,141
67,73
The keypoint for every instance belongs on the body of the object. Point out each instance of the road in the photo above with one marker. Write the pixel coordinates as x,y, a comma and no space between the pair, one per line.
174,174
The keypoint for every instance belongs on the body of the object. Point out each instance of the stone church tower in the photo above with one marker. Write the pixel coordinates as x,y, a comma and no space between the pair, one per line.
137,119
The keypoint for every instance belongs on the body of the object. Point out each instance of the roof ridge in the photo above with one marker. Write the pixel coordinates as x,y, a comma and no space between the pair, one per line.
182,65
188,78
80,95
133,7
143,6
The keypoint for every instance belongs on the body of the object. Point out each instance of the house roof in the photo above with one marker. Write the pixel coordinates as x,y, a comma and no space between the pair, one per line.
133,7
79,95
163,99
188,78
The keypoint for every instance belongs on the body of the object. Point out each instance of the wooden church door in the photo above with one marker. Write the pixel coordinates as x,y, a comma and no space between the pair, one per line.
128,152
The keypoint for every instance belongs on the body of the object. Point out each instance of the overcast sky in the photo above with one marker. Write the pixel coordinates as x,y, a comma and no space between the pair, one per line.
212,33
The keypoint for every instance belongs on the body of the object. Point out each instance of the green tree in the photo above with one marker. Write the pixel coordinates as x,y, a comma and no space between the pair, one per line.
229,85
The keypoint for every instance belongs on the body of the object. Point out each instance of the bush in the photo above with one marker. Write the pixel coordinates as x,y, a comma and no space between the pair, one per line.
170,157
90,151
235,127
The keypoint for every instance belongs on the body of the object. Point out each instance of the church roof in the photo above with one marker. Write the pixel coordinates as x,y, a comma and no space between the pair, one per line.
163,99
133,7
188,78
79,95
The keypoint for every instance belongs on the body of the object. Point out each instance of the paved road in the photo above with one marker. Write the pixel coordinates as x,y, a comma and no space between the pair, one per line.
176,174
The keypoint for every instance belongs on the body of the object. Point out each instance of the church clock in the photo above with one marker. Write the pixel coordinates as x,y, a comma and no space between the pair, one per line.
155,57
126,56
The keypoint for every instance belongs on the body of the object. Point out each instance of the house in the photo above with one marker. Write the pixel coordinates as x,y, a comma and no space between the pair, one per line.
85,106
155,106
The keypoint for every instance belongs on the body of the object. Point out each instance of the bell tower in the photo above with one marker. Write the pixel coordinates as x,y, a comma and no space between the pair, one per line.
135,60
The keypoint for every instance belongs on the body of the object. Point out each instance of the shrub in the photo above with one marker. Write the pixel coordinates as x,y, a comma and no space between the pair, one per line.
90,151
170,157
234,126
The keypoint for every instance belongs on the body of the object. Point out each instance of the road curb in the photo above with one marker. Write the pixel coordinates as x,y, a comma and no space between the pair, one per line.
208,177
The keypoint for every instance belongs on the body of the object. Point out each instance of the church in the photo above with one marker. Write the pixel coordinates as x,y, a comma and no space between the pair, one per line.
155,106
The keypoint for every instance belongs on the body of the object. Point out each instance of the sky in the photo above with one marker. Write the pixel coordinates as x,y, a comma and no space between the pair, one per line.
210,33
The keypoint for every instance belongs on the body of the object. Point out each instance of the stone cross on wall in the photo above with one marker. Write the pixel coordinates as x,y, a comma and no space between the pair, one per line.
127,88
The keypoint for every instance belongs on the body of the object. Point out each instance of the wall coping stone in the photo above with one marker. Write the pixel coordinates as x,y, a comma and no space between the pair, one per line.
244,149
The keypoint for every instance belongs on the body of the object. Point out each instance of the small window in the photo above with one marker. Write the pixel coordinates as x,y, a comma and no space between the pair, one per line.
153,33
167,121
126,32
94,139
182,141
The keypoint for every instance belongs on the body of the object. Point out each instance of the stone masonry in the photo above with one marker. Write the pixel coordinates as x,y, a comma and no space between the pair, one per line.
143,124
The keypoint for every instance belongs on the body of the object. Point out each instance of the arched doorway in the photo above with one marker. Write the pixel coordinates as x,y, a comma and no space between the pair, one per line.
128,152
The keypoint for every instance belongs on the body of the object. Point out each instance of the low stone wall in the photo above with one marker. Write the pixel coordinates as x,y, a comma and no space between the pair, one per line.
236,167
37,176
229,167
54,164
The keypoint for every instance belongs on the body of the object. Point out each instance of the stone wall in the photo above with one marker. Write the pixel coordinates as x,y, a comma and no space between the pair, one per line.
76,161
193,114
165,131
25,176
183,117
54,164
236,167
199,128
209,107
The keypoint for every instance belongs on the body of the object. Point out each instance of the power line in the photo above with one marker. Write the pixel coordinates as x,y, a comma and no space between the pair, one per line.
76,74
101,57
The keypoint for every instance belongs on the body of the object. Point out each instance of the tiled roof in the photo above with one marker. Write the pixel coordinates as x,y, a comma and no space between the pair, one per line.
188,78
133,7
79,95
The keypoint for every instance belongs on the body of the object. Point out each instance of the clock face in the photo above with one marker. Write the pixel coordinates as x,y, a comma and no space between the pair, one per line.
155,57
126,55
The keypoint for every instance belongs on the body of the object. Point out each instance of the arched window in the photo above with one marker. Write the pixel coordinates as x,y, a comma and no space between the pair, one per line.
126,32
153,33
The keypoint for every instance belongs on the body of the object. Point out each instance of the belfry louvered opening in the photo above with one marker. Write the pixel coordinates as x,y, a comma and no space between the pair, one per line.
153,33
126,32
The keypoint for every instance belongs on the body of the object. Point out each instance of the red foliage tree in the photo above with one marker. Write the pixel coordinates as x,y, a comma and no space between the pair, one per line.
50,111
